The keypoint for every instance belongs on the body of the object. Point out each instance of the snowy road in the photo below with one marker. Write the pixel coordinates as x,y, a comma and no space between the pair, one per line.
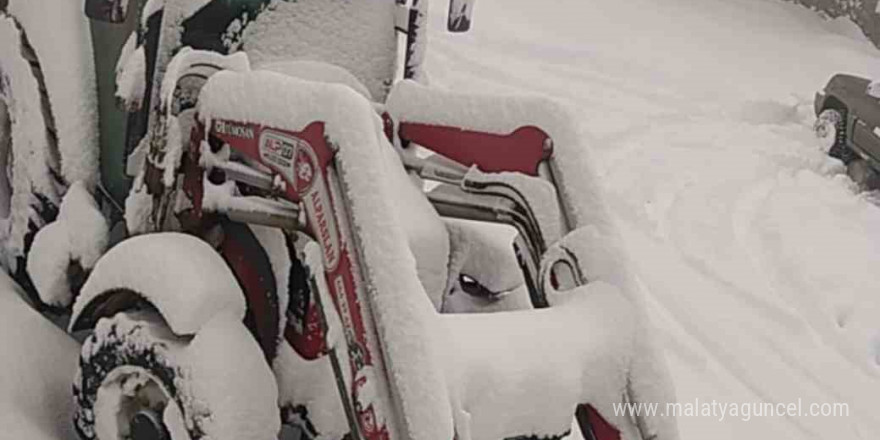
758,259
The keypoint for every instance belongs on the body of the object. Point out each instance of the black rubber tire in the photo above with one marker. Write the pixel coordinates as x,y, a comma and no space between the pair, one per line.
839,149
112,346
863,174
43,207
142,340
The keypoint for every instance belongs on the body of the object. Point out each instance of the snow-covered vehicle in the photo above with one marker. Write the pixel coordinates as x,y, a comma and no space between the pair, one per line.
303,225
848,125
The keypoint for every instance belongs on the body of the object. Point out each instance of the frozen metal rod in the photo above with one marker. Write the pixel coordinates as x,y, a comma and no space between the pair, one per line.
434,170
260,211
347,405
244,174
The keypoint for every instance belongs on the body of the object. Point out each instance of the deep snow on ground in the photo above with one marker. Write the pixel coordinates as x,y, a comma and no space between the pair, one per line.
758,258
38,362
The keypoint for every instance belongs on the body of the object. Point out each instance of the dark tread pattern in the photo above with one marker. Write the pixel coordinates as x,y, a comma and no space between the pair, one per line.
127,344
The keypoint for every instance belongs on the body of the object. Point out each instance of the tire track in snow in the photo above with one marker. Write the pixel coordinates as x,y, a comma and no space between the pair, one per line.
691,170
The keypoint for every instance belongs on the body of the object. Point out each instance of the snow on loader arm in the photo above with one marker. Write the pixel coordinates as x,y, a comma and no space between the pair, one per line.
402,369
510,148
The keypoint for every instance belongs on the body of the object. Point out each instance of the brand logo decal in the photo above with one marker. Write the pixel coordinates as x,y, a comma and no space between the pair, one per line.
230,129
323,223
277,150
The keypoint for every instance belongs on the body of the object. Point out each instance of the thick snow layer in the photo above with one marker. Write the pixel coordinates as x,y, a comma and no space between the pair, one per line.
313,385
229,373
59,33
131,74
484,252
181,275
540,363
186,60
39,362
758,258
318,71
357,36
79,235
425,232
579,190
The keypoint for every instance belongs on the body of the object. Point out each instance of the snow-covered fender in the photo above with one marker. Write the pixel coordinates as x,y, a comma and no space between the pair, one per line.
179,275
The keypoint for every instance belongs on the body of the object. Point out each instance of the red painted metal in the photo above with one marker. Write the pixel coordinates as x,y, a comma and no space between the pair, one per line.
191,219
251,267
590,420
304,159
522,150
239,248
388,126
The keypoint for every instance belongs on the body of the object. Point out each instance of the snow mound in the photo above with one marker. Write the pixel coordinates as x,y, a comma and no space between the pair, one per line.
78,236
318,71
577,353
358,37
131,74
229,373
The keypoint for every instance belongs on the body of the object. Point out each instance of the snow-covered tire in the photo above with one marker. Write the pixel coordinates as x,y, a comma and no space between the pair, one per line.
830,131
215,385
863,174
30,183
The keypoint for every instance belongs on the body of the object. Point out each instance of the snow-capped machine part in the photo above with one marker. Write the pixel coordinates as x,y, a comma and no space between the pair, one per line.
298,205
328,151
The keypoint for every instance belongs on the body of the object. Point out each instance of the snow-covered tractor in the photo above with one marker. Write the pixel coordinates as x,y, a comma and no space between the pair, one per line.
312,236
